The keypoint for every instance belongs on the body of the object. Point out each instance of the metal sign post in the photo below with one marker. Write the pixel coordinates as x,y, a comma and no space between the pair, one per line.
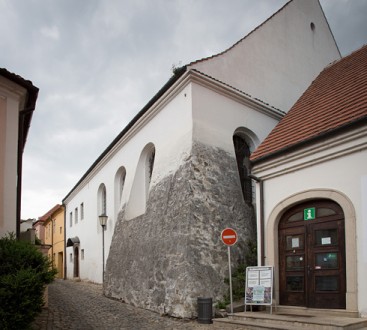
229,238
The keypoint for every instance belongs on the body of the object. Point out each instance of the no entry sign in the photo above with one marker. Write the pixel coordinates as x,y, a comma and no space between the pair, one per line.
229,236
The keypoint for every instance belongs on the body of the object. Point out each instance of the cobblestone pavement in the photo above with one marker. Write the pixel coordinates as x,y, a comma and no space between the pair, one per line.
81,305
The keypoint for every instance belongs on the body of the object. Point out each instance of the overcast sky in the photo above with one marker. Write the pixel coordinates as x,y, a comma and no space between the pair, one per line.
98,62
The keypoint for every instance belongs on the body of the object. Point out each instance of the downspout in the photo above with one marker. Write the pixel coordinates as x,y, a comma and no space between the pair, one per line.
261,218
52,242
65,257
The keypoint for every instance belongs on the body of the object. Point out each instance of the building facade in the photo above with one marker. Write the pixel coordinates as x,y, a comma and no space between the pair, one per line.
53,223
178,174
17,103
311,172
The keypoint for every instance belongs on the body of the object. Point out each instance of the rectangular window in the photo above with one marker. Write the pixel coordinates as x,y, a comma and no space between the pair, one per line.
81,211
76,215
71,257
82,254
71,219
60,230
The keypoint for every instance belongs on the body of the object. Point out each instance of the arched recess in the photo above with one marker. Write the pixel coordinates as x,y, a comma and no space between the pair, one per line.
119,187
243,142
101,203
271,237
140,189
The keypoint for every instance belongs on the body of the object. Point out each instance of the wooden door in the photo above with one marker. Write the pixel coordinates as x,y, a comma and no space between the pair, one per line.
312,256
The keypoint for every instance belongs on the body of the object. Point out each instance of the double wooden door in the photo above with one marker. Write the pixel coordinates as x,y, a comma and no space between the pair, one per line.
312,256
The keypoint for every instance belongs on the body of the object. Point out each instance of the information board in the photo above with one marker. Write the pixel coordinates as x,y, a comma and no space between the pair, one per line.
259,285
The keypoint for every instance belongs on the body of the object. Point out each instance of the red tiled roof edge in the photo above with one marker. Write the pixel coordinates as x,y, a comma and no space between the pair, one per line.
49,213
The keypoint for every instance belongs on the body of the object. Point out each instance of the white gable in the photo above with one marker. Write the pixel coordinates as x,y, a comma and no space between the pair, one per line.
277,61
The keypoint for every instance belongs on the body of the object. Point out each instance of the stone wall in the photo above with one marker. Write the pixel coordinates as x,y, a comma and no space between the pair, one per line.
167,258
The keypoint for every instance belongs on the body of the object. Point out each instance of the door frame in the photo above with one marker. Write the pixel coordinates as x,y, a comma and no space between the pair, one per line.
306,249
271,238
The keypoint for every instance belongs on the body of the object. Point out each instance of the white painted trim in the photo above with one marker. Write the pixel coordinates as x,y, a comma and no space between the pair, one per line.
271,238
191,76
325,150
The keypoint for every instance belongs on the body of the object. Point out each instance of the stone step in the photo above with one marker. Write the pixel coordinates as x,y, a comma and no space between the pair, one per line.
260,320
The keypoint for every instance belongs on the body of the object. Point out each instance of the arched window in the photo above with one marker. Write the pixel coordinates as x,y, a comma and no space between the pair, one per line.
140,188
119,187
102,201
242,150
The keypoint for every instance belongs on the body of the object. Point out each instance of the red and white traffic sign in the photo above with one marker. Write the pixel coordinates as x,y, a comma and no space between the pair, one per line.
229,236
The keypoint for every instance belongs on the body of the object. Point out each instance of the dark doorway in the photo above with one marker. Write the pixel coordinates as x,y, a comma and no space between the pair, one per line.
312,256
76,261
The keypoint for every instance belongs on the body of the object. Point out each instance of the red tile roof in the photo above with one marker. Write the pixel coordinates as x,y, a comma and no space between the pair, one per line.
47,215
336,99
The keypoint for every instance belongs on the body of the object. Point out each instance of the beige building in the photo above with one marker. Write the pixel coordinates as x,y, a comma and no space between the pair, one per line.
53,222
17,102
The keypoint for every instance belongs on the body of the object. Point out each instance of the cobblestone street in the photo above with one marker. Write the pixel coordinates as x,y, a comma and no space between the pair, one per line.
81,305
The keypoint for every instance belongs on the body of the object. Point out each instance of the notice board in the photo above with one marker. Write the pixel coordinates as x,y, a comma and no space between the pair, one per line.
259,285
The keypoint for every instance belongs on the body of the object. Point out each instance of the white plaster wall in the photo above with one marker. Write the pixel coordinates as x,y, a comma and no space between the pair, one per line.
347,176
279,59
170,130
12,104
216,118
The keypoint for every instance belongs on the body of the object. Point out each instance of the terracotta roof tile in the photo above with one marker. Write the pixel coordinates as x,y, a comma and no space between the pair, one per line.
49,213
336,98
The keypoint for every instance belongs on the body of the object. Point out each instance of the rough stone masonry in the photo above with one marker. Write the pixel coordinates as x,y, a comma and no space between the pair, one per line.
167,258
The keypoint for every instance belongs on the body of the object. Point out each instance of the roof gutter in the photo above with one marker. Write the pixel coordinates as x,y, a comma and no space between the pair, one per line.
327,134
25,117
261,218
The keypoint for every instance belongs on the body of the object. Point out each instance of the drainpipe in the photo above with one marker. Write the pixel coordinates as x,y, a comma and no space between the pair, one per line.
65,257
52,242
261,216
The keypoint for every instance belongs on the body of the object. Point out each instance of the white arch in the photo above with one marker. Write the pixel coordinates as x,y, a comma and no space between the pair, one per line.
249,136
119,187
140,189
271,237
101,203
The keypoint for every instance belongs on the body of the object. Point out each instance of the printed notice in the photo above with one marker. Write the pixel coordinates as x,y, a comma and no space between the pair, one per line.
326,240
259,285
295,242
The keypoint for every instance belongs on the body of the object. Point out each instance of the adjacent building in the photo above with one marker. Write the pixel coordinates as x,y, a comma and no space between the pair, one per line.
312,176
17,102
178,174
53,223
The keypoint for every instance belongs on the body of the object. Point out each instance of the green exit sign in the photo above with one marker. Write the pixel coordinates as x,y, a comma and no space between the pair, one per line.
309,214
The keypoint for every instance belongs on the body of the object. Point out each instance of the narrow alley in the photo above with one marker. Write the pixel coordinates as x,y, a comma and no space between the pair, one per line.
81,305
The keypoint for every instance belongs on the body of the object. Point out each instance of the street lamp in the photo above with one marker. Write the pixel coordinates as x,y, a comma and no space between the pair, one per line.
103,221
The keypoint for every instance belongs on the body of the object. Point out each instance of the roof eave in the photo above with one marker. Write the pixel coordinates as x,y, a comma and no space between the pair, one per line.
178,73
327,134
